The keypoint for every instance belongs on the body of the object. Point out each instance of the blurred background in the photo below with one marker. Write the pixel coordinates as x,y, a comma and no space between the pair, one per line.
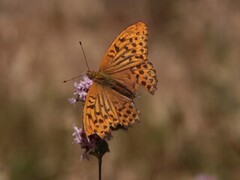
190,129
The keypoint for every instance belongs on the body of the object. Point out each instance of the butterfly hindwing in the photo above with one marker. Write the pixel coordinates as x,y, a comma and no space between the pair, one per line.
143,74
105,109
127,113
146,76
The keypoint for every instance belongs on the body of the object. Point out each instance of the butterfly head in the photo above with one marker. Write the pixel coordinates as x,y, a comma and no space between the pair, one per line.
91,74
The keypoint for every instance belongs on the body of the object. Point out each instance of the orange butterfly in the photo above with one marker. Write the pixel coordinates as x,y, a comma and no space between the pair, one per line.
109,102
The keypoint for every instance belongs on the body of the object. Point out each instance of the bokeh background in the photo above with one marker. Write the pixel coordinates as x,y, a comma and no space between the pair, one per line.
190,129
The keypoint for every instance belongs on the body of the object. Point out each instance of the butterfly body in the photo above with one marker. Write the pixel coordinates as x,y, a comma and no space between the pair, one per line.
123,69
106,80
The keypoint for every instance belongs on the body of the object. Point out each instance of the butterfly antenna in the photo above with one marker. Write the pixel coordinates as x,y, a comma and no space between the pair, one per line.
85,58
73,78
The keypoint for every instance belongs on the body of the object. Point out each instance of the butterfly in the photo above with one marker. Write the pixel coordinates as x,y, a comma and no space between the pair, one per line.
123,69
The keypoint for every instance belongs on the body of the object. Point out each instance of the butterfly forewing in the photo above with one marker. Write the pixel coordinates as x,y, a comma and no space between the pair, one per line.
127,50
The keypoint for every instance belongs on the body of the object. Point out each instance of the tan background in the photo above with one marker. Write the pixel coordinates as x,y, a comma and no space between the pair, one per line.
190,129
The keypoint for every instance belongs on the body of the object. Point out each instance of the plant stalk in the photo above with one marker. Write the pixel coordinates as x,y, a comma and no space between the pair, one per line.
100,168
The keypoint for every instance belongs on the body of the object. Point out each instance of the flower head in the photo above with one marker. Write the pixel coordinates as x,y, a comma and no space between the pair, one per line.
93,144
81,90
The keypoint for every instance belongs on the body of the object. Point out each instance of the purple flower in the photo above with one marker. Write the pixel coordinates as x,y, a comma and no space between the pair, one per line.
81,90
93,144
